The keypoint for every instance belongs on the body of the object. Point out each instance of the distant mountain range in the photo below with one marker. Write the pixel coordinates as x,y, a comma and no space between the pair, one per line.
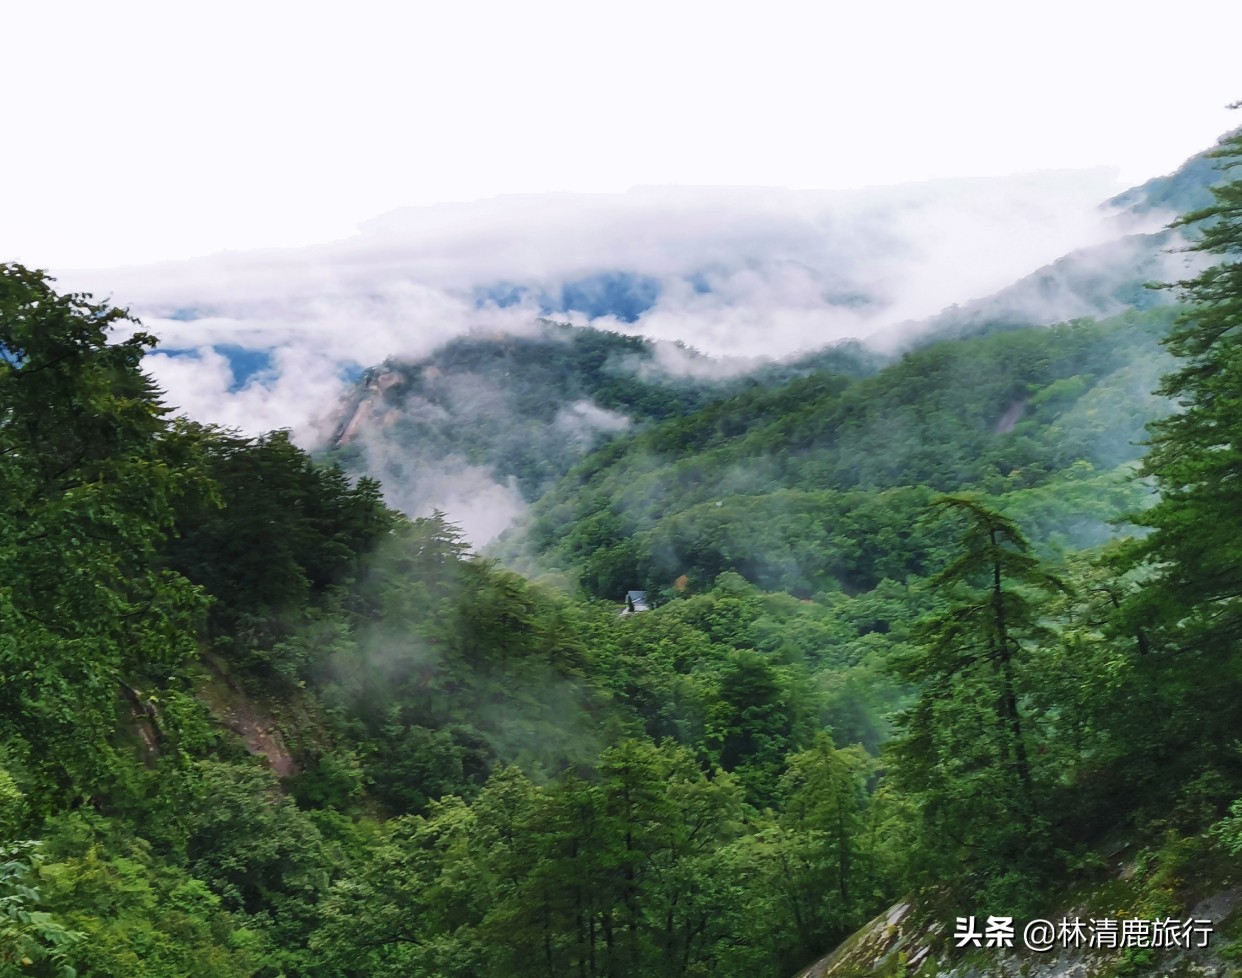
489,422
424,350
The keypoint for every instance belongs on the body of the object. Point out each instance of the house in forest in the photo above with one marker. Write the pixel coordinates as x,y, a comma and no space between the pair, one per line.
635,601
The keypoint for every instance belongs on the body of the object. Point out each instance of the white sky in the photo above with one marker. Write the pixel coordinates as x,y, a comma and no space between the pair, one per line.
137,131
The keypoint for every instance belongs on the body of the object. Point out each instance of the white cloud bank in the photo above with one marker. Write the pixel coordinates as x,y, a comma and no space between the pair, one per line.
741,272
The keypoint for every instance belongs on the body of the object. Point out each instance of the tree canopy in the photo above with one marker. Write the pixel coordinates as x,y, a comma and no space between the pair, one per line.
255,723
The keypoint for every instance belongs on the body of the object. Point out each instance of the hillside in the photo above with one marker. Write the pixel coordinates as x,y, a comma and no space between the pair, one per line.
793,485
490,422
1097,281
948,633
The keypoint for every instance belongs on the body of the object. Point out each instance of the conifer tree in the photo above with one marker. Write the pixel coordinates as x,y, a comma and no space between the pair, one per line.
1187,670
1194,554
965,753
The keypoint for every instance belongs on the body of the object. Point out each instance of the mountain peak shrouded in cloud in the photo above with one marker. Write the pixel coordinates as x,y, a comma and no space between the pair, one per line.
490,420
1184,190
271,338
478,406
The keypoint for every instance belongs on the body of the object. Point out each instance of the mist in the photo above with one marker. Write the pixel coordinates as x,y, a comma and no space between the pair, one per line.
743,273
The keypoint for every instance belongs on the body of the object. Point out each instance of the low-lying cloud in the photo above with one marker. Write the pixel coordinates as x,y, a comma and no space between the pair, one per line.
737,272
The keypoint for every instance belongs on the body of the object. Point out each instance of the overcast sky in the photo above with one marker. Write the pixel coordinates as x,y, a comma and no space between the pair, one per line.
136,132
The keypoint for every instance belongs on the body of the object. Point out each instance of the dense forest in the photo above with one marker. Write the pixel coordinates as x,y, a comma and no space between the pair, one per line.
958,626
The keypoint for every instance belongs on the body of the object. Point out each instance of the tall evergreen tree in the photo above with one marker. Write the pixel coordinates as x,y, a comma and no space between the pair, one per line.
1195,549
965,753
1189,607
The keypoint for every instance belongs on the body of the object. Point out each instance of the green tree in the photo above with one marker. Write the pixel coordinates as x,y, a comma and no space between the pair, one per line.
32,941
762,712
814,869
965,748
1189,607
137,916
89,471
276,533
253,846
1193,555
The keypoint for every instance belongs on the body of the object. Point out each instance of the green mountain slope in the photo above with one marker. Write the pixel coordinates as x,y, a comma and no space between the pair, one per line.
254,723
1184,190
493,422
497,420
1098,281
809,485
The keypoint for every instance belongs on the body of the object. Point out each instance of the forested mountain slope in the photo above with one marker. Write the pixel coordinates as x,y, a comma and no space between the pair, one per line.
1099,281
813,485
254,722
166,584
491,421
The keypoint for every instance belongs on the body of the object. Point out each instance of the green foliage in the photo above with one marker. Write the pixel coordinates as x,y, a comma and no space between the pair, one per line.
823,874
1194,456
276,534
815,485
32,941
255,848
448,665
965,750
493,777
413,675
524,407
1229,830
1190,565
89,480
136,916
629,872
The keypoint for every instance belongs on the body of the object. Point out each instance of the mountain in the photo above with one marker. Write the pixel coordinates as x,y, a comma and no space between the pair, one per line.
262,340
799,486
1177,193
491,421
852,651
1100,280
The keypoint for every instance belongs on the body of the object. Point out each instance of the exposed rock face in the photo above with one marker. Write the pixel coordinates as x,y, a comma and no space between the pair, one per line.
363,403
905,942
257,729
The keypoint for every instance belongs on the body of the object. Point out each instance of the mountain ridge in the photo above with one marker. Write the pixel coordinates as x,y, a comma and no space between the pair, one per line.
1099,281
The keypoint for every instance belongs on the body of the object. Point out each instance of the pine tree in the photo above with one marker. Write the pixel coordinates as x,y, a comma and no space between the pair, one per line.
965,751
1185,677
1194,553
